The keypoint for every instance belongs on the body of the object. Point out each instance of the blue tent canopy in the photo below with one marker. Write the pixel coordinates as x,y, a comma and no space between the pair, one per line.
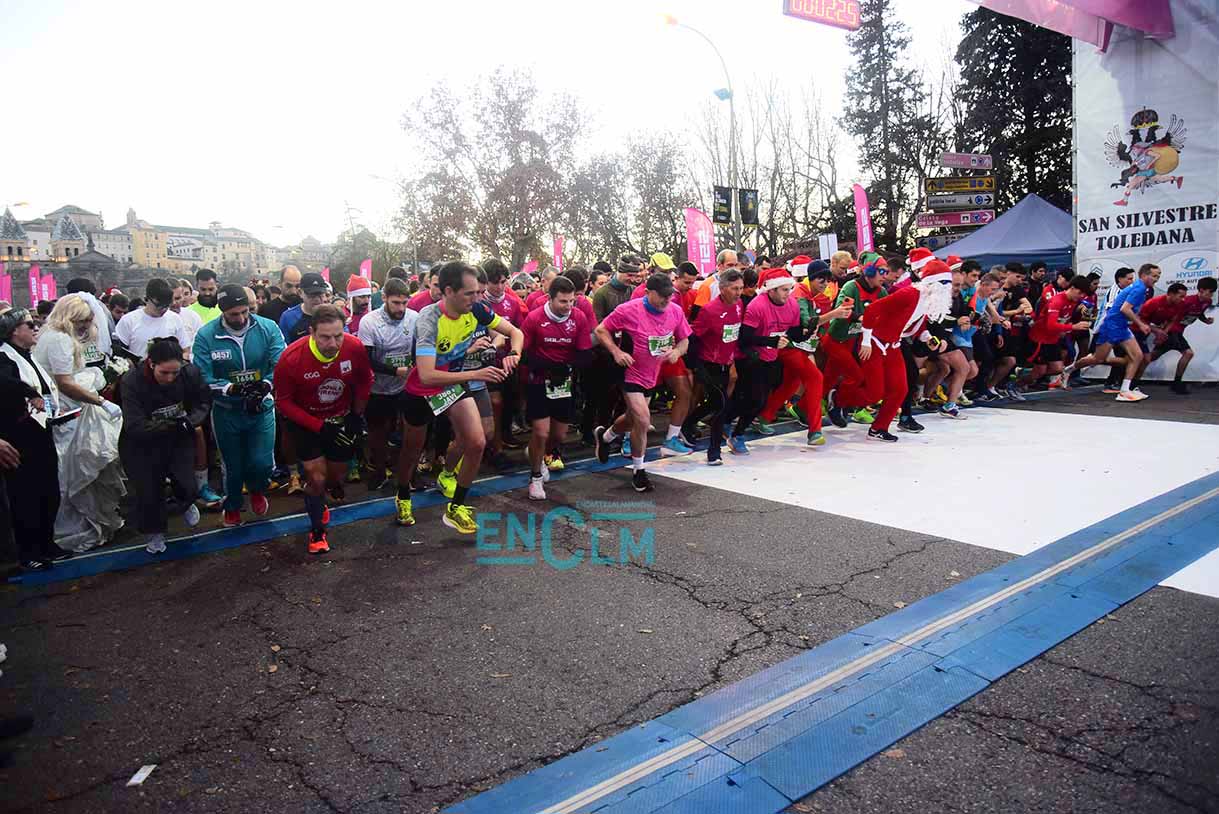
1033,229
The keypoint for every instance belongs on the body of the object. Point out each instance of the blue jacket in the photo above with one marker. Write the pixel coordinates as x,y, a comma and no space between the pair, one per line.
224,360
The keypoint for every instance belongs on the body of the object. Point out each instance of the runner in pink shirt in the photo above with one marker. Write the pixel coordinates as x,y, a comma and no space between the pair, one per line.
659,333
505,400
429,295
716,330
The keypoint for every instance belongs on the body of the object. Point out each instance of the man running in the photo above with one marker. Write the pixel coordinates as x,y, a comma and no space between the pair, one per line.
844,353
1168,315
1115,330
436,385
557,338
388,335
237,354
1053,324
715,335
659,334
322,384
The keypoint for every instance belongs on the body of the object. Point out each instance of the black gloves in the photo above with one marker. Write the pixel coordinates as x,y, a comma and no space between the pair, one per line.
345,434
354,426
184,426
253,395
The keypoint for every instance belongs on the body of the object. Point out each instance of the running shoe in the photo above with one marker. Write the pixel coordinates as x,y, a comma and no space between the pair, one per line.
881,435
950,410
675,446
155,544
1064,379
1111,389
446,482
1130,395
545,473
191,515
325,515
761,427
736,445
1180,388
511,443
536,490
259,504
406,514
376,480
862,416
554,462
907,424
640,481
294,484
837,416
353,472
209,498
965,401
714,458
689,434
789,412
626,446
816,439
1013,393
459,518
601,446
232,518
317,542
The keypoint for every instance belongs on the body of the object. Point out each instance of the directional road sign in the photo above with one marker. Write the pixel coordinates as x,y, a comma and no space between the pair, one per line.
976,217
975,201
981,183
965,161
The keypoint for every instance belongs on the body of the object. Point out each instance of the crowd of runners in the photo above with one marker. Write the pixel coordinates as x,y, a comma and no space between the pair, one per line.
309,390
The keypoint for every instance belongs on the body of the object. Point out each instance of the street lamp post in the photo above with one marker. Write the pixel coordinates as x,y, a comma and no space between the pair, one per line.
732,177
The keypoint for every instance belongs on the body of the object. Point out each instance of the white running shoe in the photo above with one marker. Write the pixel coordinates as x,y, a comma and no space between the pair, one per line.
1130,395
191,515
536,490
155,544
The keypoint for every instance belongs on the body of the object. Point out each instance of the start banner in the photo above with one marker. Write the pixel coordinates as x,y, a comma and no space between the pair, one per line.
1147,163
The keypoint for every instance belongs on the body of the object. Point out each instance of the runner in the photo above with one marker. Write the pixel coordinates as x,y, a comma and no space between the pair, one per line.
504,394
236,354
296,322
1115,330
1053,326
714,341
387,335
1123,277
205,304
676,376
604,378
557,338
322,385
436,385
136,330
1017,309
428,295
844,373
1167,315
659,333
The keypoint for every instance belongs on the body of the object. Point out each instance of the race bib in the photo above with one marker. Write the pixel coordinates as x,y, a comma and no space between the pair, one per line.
856,328
558,391
660,345
89,353
245,376
445,398
731,333
170,413
398,360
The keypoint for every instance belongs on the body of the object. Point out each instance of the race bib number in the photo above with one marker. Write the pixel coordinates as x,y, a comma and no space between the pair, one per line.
170,413
398,360
856,328
558,391
245,376
89,353
732,333
445,399
660,345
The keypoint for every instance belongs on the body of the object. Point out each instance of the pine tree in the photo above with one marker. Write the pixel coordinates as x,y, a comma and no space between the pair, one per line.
1016,90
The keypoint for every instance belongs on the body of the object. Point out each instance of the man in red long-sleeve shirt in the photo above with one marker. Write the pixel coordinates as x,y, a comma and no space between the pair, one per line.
1168,314
322,385
1053,322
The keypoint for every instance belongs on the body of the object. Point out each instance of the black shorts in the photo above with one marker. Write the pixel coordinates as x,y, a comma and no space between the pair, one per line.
539,406
1015,345
417,411
1045,353
1174,341
631,387
483,399
383,407
310,445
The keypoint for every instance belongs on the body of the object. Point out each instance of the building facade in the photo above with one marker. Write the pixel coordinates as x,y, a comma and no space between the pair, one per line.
83,218
14,242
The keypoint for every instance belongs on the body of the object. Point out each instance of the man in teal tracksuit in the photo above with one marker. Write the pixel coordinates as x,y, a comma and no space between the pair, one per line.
236,353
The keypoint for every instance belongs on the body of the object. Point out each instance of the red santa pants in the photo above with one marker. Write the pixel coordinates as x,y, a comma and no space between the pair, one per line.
798,370
856,388
886,374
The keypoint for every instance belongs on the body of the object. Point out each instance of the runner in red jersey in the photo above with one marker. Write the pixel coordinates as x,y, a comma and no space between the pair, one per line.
1053,324
1168,315
505,395
322,385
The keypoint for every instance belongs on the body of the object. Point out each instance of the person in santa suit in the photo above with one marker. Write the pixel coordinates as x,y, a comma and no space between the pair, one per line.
889,320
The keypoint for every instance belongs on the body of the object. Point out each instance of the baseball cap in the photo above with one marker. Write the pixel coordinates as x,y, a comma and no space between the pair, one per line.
661,284
231,296
662,261
314,283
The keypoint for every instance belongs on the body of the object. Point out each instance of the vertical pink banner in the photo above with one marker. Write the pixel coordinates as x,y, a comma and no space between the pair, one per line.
558,253
365,270
700,241
6,284
863,222
35,284
326,274
50,290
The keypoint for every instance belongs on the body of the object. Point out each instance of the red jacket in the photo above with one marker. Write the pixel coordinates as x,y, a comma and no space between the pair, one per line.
886,318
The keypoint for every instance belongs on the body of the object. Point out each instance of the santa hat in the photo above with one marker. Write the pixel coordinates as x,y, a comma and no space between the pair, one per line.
919,257
954,262
936,271
357,286
798,266
774,278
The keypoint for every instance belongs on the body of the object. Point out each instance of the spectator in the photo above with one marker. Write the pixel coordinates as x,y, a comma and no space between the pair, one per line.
285,297
63,349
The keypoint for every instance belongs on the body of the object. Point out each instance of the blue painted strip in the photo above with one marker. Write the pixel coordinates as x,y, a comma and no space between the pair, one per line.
803,743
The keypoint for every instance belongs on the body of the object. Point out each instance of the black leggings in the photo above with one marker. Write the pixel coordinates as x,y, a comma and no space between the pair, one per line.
714,379
911,378
602,387
984,355
755,380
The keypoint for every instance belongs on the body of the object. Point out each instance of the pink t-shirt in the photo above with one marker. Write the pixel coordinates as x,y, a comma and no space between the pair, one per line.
717,326
509,307
420,301
585,306
653,336
768,319
555,341
536,299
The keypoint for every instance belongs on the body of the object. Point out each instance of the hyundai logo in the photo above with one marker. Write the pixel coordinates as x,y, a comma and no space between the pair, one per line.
1194,263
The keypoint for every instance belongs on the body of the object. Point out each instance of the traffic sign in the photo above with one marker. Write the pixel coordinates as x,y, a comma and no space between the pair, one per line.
960,201
976,217
982,183
940,241
965,161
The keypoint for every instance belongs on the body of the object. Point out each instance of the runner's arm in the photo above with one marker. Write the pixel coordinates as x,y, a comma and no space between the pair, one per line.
199,396
749,338
379,367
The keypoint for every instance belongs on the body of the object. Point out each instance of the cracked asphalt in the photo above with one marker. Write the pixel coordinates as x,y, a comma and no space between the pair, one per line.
398,675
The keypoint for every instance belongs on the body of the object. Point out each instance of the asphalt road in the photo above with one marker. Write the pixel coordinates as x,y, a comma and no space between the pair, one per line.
398,674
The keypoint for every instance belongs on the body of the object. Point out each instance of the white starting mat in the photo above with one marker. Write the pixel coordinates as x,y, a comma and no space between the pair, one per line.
1012,480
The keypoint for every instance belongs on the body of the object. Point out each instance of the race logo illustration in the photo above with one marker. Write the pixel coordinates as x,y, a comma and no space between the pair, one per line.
1150,157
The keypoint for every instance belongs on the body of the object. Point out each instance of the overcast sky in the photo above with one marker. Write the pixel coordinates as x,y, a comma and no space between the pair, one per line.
268,116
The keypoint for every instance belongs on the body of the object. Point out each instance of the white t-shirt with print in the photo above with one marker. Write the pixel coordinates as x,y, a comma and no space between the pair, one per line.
136,329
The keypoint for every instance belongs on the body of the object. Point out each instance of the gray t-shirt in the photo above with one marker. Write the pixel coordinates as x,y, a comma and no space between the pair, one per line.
391,343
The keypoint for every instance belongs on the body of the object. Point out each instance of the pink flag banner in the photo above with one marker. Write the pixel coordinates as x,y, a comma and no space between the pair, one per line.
326,274
558,253
50,291
1091,20
700,241
6,284
530,267
863,222
35,284
365,269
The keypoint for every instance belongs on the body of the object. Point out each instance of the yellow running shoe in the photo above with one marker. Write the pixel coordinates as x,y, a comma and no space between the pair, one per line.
406,515
294,484
447,481
554,463
460,518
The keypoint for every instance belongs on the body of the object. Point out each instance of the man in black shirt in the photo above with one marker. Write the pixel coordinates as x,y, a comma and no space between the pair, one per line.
289,283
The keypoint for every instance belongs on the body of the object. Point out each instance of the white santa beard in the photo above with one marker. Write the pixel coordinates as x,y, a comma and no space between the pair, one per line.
936,301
